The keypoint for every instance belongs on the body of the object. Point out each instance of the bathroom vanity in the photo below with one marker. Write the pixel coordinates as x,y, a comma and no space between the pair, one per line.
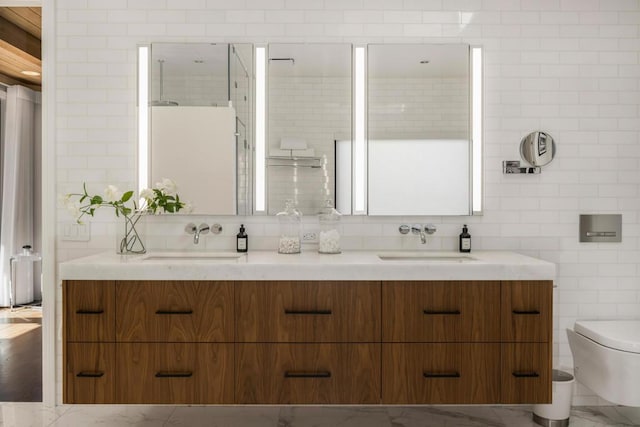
265,328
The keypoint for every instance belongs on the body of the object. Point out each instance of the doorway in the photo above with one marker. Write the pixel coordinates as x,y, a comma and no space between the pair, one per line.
21,206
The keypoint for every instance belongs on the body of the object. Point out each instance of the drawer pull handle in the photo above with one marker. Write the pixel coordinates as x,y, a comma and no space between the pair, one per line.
445,312
89,311
90,374
526,312
311,312
441,374
172,374
302,374
174,312
525,374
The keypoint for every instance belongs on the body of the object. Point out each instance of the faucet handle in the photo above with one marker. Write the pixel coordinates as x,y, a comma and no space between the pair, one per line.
404,229
430,228
203,229
191,228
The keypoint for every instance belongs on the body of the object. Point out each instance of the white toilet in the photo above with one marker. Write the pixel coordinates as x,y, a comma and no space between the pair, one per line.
606,358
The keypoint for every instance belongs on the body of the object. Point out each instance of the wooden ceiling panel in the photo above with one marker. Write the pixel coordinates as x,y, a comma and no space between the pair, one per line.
27,18
11,81
20,47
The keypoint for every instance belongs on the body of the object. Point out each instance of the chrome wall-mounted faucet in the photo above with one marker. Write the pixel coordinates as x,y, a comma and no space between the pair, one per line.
422,230
196,231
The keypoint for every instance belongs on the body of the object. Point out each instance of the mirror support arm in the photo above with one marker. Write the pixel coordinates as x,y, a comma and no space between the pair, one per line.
513,166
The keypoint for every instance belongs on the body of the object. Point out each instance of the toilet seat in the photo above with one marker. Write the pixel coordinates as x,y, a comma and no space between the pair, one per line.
623,335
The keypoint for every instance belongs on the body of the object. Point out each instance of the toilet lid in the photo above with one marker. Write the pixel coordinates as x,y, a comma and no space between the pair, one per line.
617,334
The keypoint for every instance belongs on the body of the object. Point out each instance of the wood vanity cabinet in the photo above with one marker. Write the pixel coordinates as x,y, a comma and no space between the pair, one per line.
174,311
466,342
89,311
326,373
526,312
89,336
90,373
440,373
148,342
526,327
308,311
453,311
307,342
181,373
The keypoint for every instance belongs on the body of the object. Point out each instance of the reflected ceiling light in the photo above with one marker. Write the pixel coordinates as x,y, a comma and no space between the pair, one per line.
293,61
464,19
30,73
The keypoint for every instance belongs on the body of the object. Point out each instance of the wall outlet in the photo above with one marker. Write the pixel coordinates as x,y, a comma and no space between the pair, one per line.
310,237
74,232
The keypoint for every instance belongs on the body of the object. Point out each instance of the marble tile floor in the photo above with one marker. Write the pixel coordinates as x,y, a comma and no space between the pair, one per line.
36,415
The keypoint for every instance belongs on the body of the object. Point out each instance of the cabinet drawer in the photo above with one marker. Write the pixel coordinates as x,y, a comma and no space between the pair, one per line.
440,311
90,373
308,311
440,373
89,310
527,311
175,373
308,373
526,373
174,311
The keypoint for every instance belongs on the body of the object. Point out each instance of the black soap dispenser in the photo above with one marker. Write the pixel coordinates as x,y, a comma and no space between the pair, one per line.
242,240
465,240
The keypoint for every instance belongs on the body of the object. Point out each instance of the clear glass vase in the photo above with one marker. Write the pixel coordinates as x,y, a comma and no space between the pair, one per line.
130,233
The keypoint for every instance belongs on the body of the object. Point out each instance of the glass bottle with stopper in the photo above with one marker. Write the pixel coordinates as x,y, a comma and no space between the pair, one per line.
290,225
329,237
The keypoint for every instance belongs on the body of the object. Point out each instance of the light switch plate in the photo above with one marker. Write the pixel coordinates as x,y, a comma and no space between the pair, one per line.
74,232
601,228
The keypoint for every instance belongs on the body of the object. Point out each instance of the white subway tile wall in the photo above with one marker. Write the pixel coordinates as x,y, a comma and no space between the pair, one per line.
414,108
314,109
569,67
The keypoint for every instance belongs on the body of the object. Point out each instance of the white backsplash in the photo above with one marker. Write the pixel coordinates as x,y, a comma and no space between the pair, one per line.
568,67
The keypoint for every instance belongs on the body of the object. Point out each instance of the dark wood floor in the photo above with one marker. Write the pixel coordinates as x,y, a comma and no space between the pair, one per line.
20,356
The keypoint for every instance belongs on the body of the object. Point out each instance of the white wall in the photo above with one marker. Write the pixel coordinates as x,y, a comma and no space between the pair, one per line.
569,67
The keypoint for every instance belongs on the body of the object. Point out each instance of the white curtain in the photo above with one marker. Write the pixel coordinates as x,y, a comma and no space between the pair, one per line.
20,224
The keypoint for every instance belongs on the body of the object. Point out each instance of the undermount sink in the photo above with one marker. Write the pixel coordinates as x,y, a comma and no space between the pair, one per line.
194,256
426,257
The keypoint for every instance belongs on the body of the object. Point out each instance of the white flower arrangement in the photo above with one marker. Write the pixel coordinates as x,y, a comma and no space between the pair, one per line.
163,198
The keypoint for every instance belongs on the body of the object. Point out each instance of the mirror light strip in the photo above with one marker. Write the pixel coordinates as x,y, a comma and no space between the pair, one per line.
260,127
476,60
359,190
143,117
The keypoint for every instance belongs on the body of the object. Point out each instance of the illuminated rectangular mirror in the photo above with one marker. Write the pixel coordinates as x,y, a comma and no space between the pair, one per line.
419,141
201,124
257,127
309,101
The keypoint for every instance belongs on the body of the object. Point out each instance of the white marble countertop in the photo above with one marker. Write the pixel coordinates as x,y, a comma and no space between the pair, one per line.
269,265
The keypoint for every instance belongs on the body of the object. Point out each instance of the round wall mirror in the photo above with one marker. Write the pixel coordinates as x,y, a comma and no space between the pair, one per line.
537,148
